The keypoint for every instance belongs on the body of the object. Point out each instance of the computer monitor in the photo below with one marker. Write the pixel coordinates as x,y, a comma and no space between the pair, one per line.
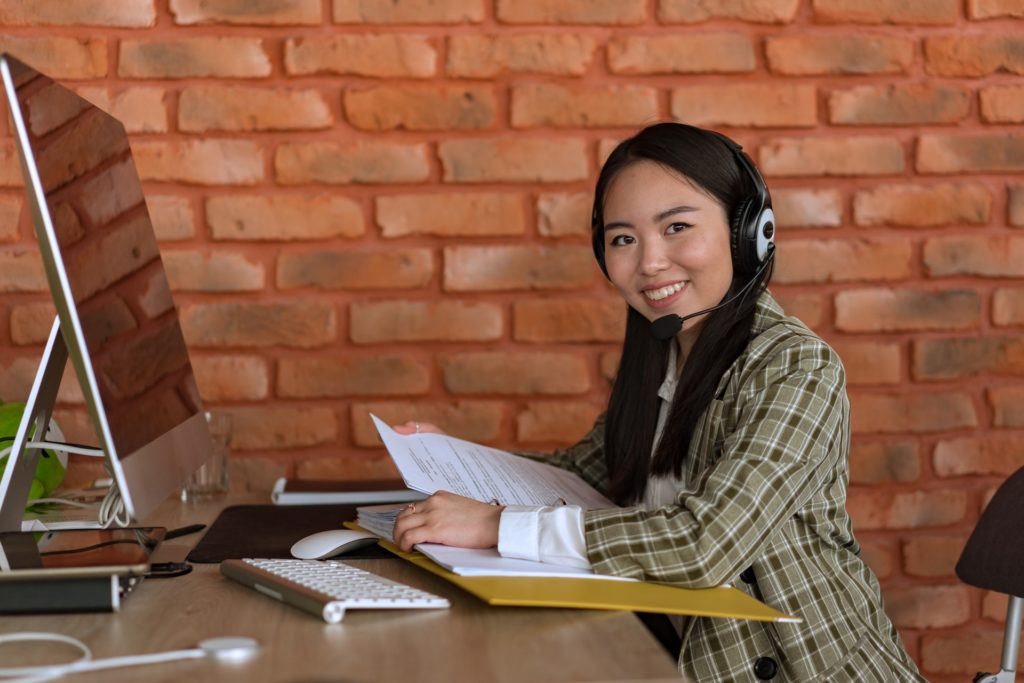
116,320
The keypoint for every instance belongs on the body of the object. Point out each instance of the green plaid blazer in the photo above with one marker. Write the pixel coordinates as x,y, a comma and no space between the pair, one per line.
763,509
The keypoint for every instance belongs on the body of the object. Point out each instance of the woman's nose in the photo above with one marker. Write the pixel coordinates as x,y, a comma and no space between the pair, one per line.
654,259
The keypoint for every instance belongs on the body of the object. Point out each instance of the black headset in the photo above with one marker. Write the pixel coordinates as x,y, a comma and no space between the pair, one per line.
751,226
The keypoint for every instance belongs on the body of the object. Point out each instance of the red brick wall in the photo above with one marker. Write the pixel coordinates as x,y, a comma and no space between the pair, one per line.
382,205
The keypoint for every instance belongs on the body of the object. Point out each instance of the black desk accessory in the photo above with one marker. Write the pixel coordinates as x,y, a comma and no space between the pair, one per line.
269,531
994,559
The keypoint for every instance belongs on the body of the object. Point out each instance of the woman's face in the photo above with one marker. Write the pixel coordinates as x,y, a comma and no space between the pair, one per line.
666,244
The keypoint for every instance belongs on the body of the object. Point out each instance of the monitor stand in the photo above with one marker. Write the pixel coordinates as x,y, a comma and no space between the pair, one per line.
21,463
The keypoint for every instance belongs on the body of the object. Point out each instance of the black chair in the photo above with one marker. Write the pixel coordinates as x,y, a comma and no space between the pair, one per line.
994,559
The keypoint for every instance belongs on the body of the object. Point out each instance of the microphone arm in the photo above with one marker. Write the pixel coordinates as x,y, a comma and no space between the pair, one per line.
669,325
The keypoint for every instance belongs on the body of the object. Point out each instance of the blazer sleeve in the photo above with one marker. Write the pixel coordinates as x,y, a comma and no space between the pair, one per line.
791,430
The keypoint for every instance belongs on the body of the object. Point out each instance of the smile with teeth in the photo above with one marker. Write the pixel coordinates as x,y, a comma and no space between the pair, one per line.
663,292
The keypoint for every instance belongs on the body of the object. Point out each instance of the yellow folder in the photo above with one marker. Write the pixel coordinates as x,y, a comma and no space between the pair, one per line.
633,596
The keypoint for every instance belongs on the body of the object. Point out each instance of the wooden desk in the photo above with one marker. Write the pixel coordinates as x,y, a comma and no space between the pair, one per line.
470,642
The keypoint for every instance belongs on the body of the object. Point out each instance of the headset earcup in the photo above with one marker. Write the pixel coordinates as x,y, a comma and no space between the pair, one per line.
744,256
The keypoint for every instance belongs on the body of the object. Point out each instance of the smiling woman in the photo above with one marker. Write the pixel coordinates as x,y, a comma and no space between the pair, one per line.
725,442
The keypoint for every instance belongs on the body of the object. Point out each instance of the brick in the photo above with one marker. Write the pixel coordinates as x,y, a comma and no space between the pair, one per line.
477,421
1002,104
30,324
838,55
172,217
560,214
967,356
410,107
408,12
112,192
879,558
114,317
860,155
963,653
333,468
229,57
915,412
1015,205
197,271
276,427
993,606
254,475
870,362
10,217
202,162
293,324
488,56
928,606
932,557
515,373
492,269
569,320
231,378
843,260
779,105
707,53
1007,406
141,109
451,215
123,14
514,160
886,11
203,108
902,104
991,9
974,55
807,307
283,217
10,169
423,321
612,12
363,269
358,162
60,58
1008,306
582,106
797,207
278,13
884,462
987,256
378,56
16,381
377,375
21,270
562,423
923,206
888,310
693,11
989,455
970,153
609,365
873,508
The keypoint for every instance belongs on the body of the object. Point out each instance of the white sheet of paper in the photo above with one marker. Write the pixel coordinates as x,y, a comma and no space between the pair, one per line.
436,462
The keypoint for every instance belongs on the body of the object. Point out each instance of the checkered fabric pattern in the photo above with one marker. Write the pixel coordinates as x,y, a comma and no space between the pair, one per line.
766,474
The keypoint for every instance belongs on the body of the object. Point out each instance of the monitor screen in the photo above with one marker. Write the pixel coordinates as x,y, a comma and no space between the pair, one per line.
113,300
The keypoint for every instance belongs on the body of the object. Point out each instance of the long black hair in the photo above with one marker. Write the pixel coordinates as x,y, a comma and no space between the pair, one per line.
706,161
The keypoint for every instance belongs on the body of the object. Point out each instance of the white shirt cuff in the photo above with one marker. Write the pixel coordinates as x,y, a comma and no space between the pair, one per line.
544,534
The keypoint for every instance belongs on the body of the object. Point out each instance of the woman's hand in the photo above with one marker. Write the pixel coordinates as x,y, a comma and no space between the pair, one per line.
418,428
448,519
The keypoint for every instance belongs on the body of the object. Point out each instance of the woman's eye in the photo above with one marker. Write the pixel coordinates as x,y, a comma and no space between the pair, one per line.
620,240
678,227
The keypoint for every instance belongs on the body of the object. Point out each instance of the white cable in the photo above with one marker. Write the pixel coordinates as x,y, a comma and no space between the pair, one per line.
221,649
67,447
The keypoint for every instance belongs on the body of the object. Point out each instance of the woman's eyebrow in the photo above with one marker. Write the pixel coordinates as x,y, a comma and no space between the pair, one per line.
673,211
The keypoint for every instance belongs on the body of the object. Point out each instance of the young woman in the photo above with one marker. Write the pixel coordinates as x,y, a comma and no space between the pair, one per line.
726,438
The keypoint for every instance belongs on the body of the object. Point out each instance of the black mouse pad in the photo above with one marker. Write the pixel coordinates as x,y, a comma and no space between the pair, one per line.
271,530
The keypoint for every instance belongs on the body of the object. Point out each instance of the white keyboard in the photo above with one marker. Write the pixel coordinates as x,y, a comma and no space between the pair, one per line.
327,588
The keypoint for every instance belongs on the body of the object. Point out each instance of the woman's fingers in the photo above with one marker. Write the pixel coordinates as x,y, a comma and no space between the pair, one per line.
413,427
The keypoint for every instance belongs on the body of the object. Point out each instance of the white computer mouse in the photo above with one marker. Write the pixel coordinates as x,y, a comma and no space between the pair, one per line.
324,544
